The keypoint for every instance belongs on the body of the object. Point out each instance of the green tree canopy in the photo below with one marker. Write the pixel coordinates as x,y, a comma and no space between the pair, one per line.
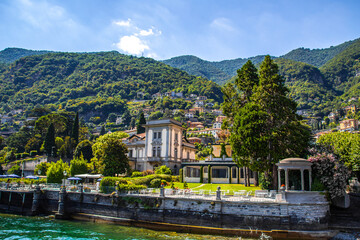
78,166
265,126
55,173
110,154
42,167
84,148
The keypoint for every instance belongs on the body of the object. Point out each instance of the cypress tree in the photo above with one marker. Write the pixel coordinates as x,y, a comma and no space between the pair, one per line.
75,130
141,121
49,142
102,131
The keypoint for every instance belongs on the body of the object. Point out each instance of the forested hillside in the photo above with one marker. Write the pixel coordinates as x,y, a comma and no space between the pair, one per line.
10,55
93,82
320,89
316,57
218,72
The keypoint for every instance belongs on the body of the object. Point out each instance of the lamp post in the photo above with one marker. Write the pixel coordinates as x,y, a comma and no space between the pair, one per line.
65,173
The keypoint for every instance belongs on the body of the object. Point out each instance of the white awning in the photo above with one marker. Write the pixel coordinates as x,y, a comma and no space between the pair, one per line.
88,175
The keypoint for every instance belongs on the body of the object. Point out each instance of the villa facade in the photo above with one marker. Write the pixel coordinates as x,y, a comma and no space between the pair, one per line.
162,143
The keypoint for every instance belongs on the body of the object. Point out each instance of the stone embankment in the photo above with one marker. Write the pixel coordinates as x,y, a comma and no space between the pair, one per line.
289,215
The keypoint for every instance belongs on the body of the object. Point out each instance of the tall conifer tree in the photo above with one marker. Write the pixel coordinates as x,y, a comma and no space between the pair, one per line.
49,142
265,127
75,130
141,121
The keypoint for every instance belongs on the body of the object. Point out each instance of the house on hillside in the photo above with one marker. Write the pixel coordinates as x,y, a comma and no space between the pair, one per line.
220,119
162,143
349,125
203,98
350,109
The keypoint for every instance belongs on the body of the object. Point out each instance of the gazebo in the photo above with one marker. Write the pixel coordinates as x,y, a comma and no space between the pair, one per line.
300,164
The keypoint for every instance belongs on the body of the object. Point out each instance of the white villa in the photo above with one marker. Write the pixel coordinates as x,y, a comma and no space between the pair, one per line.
162,143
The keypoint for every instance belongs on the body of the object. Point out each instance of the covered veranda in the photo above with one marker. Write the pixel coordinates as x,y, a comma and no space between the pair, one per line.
217,171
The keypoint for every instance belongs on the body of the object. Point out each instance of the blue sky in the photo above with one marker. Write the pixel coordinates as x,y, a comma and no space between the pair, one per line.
210,29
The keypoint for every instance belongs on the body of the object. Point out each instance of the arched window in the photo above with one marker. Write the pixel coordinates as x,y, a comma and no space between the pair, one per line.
158,151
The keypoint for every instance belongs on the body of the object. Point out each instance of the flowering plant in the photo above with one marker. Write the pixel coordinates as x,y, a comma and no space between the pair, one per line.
330,171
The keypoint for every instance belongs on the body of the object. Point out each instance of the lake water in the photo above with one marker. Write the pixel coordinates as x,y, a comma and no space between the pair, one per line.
31,228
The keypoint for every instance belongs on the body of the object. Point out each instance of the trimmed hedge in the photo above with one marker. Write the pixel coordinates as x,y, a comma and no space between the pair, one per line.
137,174
147,179
24,180
130,187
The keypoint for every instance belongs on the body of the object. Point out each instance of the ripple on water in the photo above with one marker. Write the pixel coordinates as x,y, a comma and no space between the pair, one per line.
43,228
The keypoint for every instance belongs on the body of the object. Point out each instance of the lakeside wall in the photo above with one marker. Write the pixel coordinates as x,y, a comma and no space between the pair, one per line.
297,211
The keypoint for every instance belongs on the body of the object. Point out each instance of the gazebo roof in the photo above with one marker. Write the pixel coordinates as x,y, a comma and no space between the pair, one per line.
294,163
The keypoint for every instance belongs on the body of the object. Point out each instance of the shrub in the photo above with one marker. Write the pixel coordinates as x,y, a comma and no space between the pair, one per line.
175,178
130,187
163,170
15,170
331,173
137,174
265,182
164,182
181,175
33,153
155,183
185,185
316,185
55,172
107,184
24,155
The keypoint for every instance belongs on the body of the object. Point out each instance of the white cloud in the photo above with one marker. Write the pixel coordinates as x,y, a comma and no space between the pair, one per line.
152,55
123,23
132,44
222,24
146,33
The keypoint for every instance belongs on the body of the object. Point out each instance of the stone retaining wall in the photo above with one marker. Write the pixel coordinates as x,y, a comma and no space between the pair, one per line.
293,214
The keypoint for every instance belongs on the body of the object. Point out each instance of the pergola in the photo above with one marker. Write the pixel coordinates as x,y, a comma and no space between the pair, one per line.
294,164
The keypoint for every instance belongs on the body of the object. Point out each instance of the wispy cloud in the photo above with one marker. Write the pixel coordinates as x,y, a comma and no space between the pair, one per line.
222,24
123,23
43,15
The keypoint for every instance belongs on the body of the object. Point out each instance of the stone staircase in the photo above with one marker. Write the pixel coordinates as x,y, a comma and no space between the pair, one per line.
346,219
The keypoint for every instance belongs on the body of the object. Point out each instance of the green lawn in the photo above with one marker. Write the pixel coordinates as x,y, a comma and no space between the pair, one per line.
213,187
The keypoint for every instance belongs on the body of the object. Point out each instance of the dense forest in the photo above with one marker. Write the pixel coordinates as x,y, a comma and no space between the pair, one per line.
319,79
92,83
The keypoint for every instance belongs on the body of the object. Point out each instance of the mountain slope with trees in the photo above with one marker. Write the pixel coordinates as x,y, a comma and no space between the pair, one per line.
9,55
93,82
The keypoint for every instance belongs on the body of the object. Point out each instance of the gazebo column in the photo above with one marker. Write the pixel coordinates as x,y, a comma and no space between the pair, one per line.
302,180
184,173
279,178
286,179
309,179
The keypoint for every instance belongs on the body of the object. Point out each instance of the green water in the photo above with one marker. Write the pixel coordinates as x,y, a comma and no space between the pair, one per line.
31,228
